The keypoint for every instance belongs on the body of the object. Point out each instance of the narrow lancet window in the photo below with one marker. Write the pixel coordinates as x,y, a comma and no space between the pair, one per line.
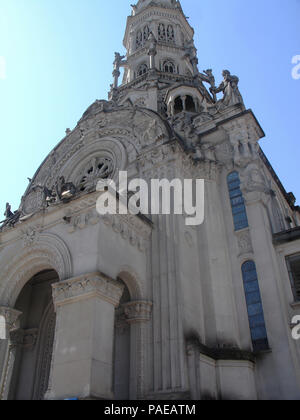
238,207
255,308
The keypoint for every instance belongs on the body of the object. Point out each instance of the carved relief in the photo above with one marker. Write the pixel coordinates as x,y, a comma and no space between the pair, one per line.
29,338
97,168
33,201
31,235
153,134
244,242
254,180
11,317
88,285
134,233
138,311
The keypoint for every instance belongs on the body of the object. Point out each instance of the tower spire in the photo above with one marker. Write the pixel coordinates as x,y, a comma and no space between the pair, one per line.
160,58
142,4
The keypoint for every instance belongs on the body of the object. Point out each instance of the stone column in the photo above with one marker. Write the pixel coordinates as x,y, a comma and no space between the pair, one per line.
82,364
7,349
216,275
137,314
116,74
183,99
152,51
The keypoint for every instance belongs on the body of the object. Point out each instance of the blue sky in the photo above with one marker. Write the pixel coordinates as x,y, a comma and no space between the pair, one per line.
59,55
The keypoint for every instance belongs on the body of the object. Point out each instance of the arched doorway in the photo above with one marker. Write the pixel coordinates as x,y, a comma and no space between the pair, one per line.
122,350
33,342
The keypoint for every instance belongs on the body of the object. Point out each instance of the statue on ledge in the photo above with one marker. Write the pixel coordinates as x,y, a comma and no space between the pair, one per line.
229,87
10,218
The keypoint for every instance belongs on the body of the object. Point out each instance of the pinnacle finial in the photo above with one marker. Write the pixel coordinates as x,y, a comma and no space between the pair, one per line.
142,4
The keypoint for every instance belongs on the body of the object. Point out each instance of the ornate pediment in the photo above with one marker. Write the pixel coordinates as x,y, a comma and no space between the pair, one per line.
107,138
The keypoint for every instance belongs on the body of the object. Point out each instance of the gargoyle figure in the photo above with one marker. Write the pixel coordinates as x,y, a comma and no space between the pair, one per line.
229,87
49,195
64,190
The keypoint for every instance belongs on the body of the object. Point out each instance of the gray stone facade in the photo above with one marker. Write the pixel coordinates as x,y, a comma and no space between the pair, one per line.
136,307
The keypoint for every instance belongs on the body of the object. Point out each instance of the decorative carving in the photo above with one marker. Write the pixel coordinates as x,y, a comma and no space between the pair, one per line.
11,317
49,253
254,180
138,311
153,134
86,286
29,338
97,168
33,201
134,231
31,235
244,242
82,221
16,339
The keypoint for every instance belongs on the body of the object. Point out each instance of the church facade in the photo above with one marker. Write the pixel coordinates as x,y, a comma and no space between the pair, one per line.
135,306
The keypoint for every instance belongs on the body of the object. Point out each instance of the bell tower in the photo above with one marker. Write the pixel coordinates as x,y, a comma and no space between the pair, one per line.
160,66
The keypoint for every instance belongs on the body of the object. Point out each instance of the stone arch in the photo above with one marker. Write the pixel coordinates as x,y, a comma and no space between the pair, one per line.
132,281
100,147
32,344
48,253
131,319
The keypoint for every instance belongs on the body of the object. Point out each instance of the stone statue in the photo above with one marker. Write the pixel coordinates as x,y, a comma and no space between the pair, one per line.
152,50
210,78
117,64
8,213
10,218
118,61
191,54
229,87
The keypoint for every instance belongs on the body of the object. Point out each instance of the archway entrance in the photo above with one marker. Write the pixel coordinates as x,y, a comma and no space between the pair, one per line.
33,342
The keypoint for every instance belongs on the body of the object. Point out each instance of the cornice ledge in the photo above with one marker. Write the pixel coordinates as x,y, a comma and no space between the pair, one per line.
86,287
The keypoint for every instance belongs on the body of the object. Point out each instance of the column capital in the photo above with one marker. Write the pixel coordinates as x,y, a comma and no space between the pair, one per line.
139,311
11,317
85,287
